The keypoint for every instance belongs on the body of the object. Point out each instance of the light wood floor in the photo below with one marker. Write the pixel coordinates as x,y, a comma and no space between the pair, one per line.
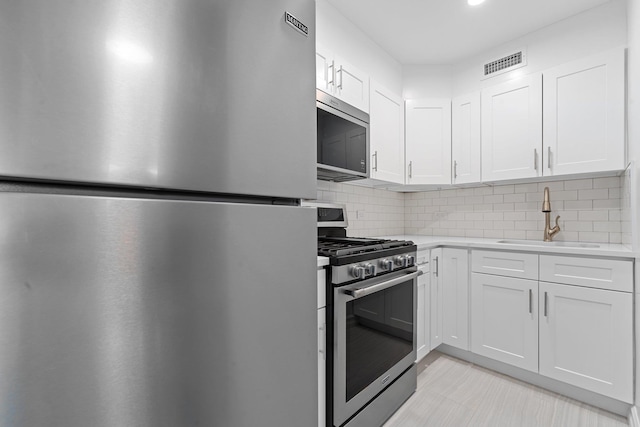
455,393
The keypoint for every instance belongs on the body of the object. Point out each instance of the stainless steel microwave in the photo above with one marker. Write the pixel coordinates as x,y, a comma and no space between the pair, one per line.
343,140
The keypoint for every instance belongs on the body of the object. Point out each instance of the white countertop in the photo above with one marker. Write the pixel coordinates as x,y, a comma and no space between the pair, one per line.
322,261
603,249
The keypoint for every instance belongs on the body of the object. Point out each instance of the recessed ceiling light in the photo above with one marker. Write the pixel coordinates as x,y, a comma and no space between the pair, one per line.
474,2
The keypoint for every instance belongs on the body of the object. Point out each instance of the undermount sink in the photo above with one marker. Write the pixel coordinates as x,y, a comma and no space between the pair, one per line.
541,243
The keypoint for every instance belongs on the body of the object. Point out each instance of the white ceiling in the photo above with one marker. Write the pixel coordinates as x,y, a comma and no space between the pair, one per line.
447,31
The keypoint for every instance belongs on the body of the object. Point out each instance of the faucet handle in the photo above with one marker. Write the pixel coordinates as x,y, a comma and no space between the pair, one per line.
557,225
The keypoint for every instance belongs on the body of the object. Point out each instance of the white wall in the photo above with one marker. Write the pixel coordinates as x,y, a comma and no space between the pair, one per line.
343,38
590,32
426,81
633,129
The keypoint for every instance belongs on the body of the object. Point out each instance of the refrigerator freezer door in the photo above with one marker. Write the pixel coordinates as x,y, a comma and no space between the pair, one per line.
205,95
128,312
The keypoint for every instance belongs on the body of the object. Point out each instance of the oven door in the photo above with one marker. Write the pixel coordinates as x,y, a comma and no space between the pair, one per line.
374,338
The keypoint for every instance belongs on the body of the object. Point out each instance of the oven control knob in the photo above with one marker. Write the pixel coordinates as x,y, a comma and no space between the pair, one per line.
386,264
358,272
411,260
370,269
401,261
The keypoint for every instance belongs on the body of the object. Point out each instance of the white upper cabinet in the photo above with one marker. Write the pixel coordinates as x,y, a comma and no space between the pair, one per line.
337,77
387,134
428,141
351,84
512,129
465,138
324,69
583,115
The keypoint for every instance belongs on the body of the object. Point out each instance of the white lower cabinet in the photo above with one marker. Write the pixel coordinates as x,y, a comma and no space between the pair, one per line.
322,347
322,366
586,338
435,300
570,331
423,316
455,297
504,318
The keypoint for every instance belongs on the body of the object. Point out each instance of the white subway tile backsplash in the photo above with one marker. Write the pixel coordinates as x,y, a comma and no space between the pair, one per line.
553,186
591,210
526,188
578,184
593,237
596,194
600,215
609,182
515,198
606,204
580,205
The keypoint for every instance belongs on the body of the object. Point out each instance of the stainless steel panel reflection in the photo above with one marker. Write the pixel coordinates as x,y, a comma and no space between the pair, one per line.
120,312
212,95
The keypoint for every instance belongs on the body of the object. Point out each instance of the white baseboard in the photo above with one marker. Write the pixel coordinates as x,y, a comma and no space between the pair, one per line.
634,418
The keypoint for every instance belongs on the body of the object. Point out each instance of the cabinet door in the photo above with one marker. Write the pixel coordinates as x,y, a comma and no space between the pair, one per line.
351,84
512,129
424,316
428,141
322,366
586,338
455,298
505,320
387,135
465,138
584,104
325,71
436,299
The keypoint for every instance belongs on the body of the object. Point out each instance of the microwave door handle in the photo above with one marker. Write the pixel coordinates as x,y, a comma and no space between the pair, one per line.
368,290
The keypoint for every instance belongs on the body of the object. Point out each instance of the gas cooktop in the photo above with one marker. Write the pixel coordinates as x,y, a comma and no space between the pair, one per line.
344,246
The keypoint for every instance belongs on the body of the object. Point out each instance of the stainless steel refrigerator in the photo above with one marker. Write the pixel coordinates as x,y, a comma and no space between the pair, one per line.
156,268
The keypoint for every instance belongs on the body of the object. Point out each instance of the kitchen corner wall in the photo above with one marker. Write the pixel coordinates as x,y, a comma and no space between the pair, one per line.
591,210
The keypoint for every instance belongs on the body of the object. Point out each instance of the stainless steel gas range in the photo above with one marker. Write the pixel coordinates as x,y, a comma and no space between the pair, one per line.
371,305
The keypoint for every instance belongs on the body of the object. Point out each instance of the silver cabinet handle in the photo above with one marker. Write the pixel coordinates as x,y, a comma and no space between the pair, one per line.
535,159
549,157
530,301
411,169
341,78
455,169
546,305
332,75
375,161
371,289
436,272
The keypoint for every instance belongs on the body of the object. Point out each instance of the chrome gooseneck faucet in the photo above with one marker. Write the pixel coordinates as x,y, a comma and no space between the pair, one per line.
546,208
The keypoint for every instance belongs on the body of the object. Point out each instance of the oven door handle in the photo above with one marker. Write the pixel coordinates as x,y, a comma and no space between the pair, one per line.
368,290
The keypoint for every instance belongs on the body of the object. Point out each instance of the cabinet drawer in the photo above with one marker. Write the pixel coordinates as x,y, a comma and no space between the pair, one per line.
422,257
510,264
615,275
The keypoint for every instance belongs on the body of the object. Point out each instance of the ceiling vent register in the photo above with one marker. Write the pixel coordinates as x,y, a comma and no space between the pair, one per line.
504,64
